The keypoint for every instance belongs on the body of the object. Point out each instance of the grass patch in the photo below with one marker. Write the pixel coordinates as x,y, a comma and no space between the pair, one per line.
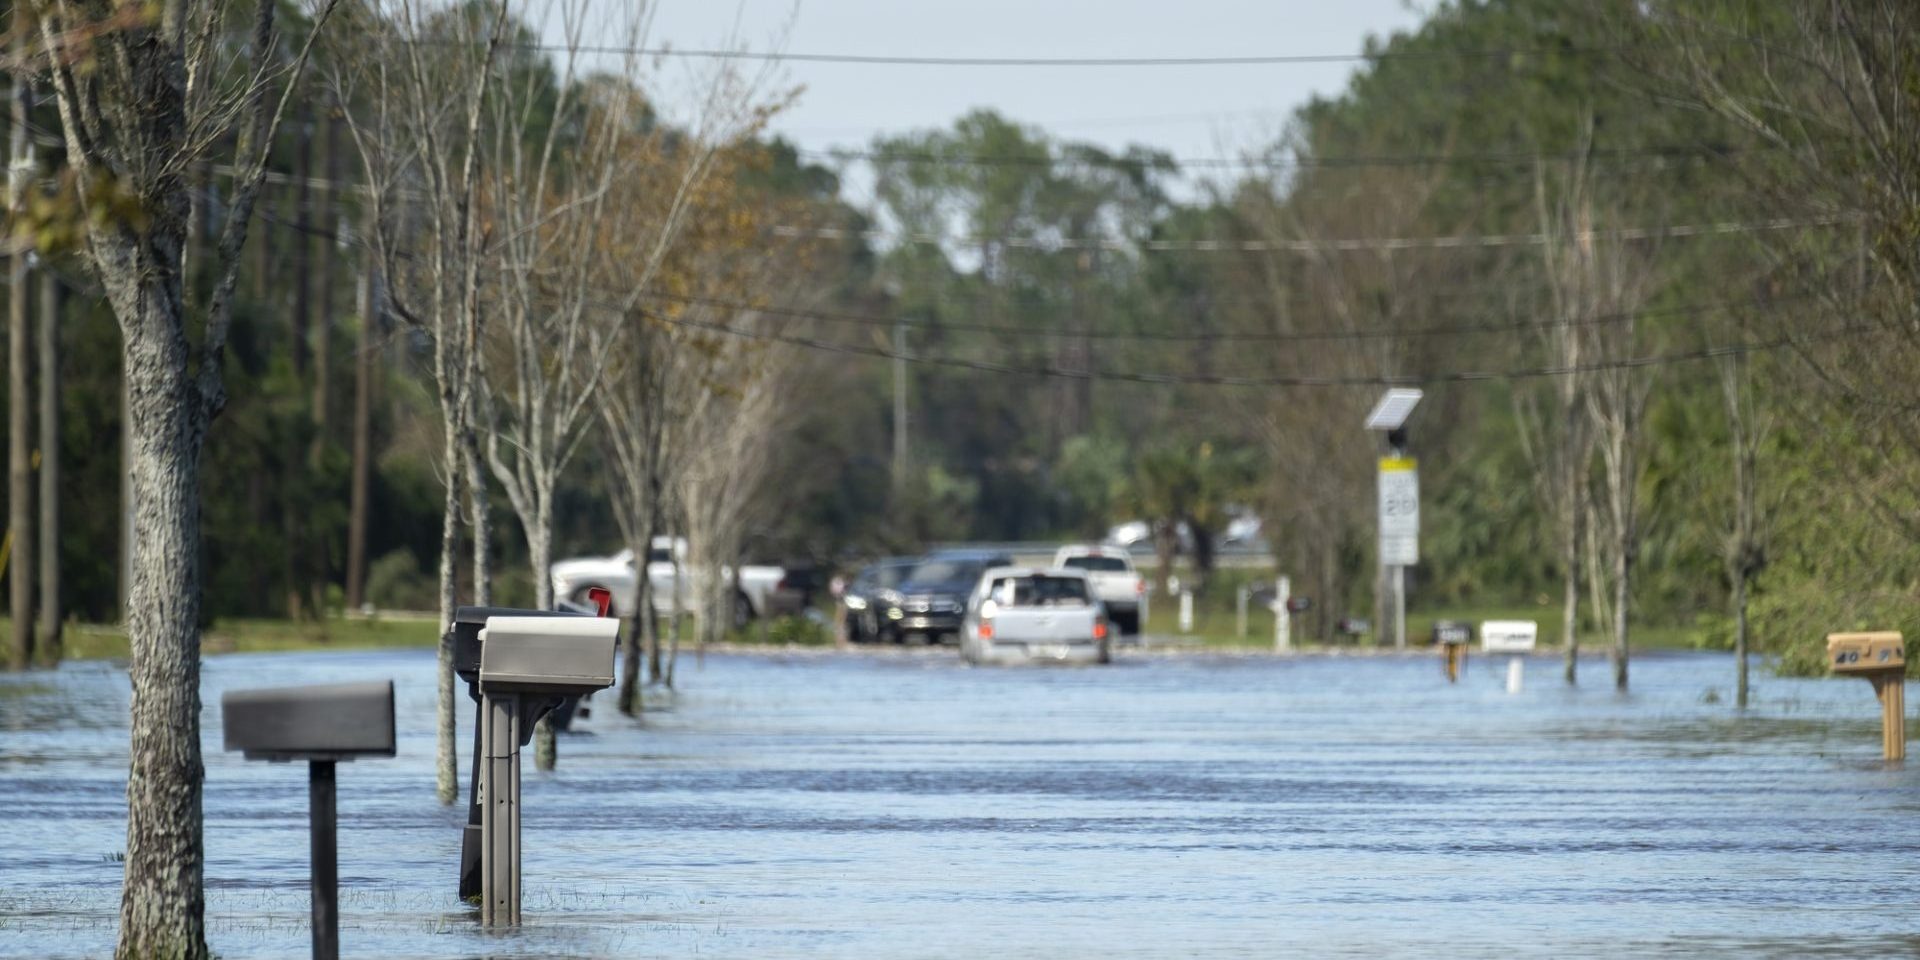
84,641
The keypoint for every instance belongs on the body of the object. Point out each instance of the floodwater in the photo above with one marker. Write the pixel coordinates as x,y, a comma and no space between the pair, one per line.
909,806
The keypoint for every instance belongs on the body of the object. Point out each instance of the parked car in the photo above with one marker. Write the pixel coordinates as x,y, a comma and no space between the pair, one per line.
572,578
1023,615
1139,533
1243,530
1111,576
932,599
862,596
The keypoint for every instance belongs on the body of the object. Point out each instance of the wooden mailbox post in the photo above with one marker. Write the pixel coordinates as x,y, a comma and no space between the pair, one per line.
1882,659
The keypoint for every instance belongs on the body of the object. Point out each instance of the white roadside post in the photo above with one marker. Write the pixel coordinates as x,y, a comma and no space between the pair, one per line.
1240,610
1399,499
1517,638
1186,611
1283,615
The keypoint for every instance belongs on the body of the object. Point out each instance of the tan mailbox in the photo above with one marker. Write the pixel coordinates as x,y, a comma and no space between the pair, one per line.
1881,658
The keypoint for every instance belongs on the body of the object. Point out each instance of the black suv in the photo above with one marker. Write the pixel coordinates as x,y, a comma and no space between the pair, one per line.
865,609
932,599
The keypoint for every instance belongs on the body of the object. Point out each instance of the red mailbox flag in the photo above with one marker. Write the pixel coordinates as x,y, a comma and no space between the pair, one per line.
602,599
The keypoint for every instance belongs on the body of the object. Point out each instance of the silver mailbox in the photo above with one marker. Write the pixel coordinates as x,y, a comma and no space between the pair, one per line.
336,721
556,655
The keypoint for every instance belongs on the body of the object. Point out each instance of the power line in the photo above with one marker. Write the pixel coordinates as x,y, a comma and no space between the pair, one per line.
859,59
1703,153
1375,333
1305,246
1168,379
1283,380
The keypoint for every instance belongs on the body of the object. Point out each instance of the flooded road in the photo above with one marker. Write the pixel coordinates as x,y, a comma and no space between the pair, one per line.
908,806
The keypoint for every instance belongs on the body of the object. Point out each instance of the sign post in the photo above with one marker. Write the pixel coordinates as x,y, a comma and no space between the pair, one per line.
1399,499
1399,531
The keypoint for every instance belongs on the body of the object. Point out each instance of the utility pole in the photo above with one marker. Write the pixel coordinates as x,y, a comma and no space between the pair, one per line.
50,610
899,402
362,434
19,397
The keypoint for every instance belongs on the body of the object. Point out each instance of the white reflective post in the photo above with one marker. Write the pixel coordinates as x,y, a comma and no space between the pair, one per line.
1283,615
1186,611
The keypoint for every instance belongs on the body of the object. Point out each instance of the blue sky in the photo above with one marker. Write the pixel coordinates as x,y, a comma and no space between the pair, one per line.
1188,111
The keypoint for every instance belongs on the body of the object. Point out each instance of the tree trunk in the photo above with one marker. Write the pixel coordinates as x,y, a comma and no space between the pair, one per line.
362,439
1571,516
638,635
162,907
656,661
301,240
329,230
446,762
481,519
320,558
1622,591
539,556
1740,638
673,625
51,614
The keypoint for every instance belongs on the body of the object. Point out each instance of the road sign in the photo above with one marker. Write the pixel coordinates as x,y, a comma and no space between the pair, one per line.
1399,512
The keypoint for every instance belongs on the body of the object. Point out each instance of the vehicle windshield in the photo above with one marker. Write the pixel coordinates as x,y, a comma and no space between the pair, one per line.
884,575
942,571
1095,563
1040,591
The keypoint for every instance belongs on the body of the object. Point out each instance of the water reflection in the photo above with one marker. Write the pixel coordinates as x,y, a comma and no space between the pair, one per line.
908,806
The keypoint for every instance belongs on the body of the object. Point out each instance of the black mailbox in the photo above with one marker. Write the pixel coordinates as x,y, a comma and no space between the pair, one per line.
322,725
329,722
1452,632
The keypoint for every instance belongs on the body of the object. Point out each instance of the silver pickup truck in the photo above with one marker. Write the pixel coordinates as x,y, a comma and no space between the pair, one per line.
1023,615
1114,582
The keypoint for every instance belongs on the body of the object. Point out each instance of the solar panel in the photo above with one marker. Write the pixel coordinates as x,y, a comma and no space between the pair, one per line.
1393,409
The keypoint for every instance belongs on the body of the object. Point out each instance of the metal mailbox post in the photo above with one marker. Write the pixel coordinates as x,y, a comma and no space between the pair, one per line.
1882,659
528,664
465,640
1516,637
321,725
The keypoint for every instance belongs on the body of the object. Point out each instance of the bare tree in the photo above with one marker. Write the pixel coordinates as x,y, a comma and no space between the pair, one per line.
549,170
139,106
672,211
423,73
1745,548
1596,276
1559,444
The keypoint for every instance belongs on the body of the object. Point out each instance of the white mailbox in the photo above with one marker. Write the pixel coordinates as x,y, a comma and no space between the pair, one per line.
559,655
528,664
1509,636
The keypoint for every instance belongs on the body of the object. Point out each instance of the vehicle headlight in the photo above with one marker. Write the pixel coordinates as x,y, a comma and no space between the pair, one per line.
856,603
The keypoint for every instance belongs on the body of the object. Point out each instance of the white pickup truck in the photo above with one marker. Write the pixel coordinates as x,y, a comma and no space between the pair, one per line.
1023,615
572,578
1111,575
